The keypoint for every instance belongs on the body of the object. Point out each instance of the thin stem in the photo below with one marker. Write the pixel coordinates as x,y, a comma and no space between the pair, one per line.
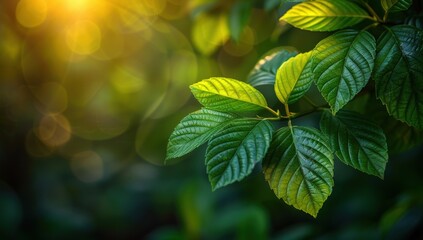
276,113
288,114
371,25
317,109
374,14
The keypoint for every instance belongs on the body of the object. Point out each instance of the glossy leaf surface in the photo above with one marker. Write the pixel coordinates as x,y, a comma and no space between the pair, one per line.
299,168
233,152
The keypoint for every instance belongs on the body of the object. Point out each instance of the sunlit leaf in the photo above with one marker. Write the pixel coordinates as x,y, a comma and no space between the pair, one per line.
325,15
264,71
194,130
238,18
342,65
293,78
299,168
210,32
399,73
225,94
233,151
395,5
358,142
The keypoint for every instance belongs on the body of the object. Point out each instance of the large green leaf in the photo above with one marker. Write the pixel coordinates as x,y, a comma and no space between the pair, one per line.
264,71
342,65
325,15
299,168
400,136
226,94
293,79
395,5
399,73
194,130
358,142
209,32
234,150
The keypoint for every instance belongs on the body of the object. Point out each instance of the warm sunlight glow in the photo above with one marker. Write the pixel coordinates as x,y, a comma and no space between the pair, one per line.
84,37
31,13
77,5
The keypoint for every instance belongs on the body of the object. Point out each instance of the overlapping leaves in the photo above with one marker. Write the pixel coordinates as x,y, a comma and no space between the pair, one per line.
298,161
399,73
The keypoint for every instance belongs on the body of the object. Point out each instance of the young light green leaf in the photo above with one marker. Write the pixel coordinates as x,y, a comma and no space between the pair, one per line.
399,73
299,168
234,150
342,65
209,32
194,130
395,5
226,94
293,78
264,71
358,142
325,15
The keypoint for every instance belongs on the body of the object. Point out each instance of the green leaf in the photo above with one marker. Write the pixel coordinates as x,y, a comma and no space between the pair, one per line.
233,151
342,65
325,15
238,18
210,32
264,71
400,136
299,168
358,142
416,21
194,130
399,73
293,78
226,94
395,5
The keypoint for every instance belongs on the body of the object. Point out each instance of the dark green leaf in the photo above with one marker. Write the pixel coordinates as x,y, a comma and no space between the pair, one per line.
358,142
194,130
264,71
395,5
399,73
226,94
399,135
342,65
299,168
325,15
234,150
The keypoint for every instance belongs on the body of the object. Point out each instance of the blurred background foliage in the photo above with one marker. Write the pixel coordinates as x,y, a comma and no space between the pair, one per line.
90,91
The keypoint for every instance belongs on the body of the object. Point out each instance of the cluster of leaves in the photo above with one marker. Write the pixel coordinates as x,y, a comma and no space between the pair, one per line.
298,161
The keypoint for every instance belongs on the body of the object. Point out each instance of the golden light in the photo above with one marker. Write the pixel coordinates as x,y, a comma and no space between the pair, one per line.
77,5
84,37
31,13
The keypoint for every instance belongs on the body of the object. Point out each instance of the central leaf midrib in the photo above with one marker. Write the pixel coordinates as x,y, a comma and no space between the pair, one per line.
237,149
341,122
